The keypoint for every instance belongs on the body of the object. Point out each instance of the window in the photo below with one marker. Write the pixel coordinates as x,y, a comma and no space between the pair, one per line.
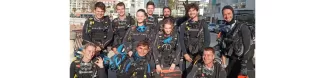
132,5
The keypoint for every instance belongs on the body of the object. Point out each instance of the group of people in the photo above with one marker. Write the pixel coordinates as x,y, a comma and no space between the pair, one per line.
145,46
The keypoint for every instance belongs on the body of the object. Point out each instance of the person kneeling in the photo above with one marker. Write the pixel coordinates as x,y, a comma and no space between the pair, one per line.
209,68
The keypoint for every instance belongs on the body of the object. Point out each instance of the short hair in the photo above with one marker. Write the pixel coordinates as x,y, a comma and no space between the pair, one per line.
142,10
228,7
143,43
115,46
100,5
150,3
193,5
120,4
167,8
90,44
209,49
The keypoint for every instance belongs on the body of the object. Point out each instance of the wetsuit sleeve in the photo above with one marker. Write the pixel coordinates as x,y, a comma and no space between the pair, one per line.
246,37
177,53
85,35
155,50
126,42
125,39
181,39
72,68
102,73
109,34
113,25
246,42
192,71
207,39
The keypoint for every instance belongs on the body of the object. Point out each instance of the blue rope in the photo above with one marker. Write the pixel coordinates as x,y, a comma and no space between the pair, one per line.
127,67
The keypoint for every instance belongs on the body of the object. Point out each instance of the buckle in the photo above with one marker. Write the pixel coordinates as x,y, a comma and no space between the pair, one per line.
167,46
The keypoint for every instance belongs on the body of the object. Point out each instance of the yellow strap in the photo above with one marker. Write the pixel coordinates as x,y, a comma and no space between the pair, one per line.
75,76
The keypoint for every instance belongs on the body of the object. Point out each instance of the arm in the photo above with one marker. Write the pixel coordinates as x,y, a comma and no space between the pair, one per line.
192,71
246,43
72,72
155,50
206,35
181,39
85,35
109,35
246,37
102,73
177,58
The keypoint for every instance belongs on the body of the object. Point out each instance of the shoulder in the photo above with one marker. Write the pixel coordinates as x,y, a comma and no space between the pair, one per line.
115,19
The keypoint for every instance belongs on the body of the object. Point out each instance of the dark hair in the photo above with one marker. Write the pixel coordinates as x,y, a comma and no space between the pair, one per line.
90,44
143,43
142,10
228,7
150,3
120,4
167,8
115,46
209,49
100,5
193,5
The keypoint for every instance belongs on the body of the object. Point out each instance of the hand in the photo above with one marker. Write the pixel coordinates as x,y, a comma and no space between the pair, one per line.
188,58
99,62
130,53
158,68
172,67
98,49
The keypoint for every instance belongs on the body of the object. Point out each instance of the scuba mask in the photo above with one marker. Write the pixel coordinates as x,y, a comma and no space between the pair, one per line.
224,28
141,28
120,49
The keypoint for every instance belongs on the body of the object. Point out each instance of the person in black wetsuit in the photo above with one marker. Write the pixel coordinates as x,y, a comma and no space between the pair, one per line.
140,32
87,66
138,65
209,68
194,35
235,44
151,21
166,47
98,29
121,24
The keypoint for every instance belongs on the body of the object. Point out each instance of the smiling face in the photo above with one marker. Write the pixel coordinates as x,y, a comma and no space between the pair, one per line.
89,52
168,28
208,57
142,50
120,10
150,9
166,12
99,13
193,13
227,15
141,17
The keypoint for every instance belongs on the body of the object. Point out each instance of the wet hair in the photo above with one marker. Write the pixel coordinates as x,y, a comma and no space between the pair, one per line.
90,44
209,49
100,5
167,8
150,3
120,4
193,5
143,43
142,10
